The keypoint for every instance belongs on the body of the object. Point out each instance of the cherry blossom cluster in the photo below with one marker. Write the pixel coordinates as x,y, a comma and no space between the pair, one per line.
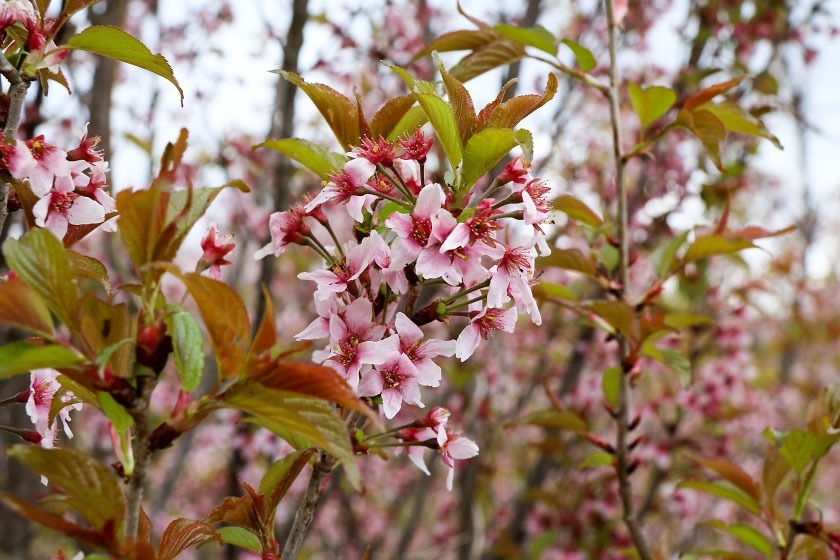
40,51
467,256
69,186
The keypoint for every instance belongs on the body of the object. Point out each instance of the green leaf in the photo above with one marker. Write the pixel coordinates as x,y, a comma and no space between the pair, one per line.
554,418
226,320
549,289
413,118
499,52
618,314
239,536
278,471
312,156
733,473
679,364
341,114
70,7
112,42
577,210
736,119
597,459
89,486
188,346
584,56
41,261
23,356
715,244
800,448
88,267
22,307
569,259
610,384
538,37
302,420
708,128
115,412
439,113
748,535
725,491
484,150
461,103
685,320
663,257
650,103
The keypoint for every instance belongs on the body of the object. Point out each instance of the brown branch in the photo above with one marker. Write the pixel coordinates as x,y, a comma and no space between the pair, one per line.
17,95
139,411
305,514
622,452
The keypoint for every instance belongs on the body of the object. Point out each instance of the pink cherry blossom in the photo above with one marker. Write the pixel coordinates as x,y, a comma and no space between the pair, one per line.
355,340
285,227
414,230
416,146
43,388
454,446
215,251
336,278
481,326
346,188
421,353
62,207
379,151
396,381
40,163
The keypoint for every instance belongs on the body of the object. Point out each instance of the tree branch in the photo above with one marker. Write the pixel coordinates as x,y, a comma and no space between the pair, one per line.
17,95
306,511
622,452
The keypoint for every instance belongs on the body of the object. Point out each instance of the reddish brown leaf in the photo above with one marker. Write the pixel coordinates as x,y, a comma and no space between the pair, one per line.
103,538
183,534
237,510
709,93
461,40
170,161
757,232
731,472
313,380
462,105
339,112
500,52
225,317
22,307
512,111
266,335
144,527
364,127
488,109
102,325
387,117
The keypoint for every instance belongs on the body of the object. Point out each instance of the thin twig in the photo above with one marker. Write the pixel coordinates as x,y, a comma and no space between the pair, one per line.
622,452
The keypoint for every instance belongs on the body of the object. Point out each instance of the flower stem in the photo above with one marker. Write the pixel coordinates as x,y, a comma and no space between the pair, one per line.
464,304
462,293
